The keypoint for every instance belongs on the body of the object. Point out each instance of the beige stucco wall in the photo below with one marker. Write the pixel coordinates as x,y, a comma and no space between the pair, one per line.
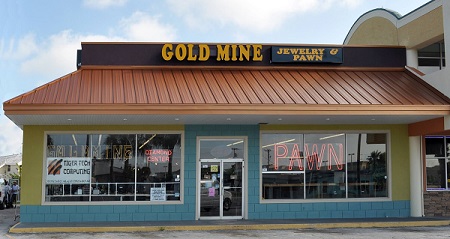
375,31
413,32
422,31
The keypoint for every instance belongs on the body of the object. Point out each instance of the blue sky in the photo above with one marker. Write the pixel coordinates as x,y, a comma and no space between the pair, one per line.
39,39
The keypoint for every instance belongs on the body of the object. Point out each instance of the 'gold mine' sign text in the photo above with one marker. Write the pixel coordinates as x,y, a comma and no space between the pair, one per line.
202,52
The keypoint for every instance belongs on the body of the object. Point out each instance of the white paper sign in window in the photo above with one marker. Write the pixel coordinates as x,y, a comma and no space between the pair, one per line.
68,170
158,194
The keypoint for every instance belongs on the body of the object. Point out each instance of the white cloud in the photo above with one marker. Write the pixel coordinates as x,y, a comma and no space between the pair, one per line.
17,50
102,4
251,15
10,137
143,27
351,3
56,55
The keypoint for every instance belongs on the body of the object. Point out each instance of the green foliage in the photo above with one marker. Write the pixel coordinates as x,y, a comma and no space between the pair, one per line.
18,174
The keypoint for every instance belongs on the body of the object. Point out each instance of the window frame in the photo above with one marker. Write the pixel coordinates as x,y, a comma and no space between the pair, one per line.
446,158
345,199
134,202
438,56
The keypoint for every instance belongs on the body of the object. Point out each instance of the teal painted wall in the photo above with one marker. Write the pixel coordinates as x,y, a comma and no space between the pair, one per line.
398,207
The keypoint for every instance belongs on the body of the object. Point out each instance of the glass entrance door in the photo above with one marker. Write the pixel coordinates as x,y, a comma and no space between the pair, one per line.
221,191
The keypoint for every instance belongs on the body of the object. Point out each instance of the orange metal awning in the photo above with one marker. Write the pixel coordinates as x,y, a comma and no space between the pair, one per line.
233,91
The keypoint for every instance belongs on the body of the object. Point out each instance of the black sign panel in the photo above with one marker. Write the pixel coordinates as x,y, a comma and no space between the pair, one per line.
299,54
138,54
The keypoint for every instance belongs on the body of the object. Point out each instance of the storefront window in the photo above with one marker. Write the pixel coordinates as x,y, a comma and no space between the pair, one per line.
367,165
316,166
158,165
283,169
113,167
437,162
325,165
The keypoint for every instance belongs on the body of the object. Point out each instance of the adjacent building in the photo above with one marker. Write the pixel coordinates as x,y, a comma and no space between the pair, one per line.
10,165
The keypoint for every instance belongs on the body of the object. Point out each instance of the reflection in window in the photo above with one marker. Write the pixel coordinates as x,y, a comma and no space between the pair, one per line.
281,152
158,163
221,149
283,186
113,167
367,169
437,150
324,156
311,166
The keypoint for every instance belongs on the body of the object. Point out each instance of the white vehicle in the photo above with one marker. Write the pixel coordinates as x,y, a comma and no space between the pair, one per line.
208,202
2,194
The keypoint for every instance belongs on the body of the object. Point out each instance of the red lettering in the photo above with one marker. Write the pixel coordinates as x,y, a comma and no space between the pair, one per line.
337,159
278,155
314,157
282,151
158,155
296,155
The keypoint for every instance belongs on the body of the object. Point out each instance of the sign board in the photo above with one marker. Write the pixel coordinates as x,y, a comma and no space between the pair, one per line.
71,170
214,168
158,194
158,155
299,54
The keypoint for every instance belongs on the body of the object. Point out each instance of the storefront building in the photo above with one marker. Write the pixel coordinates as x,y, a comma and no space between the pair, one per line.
181,131
424,32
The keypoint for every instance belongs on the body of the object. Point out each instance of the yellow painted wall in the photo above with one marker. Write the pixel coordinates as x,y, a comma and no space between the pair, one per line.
33,153
399,150
32,156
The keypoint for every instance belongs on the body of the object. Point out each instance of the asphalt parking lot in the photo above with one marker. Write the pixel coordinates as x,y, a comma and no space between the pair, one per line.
8,218
334,231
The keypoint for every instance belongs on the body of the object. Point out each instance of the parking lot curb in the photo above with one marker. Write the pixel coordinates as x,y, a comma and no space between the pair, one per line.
17,229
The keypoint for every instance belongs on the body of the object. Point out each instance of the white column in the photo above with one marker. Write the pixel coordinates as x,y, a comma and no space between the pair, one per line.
412,58
416,177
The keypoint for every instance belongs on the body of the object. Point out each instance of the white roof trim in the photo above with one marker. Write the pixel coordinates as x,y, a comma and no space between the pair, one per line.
424,9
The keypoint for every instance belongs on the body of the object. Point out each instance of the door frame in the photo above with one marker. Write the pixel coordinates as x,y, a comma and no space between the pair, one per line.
244,176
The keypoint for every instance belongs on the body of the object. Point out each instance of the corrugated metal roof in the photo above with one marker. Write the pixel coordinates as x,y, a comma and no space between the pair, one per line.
89,89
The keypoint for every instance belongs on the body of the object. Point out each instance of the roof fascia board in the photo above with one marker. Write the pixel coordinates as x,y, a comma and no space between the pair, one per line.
250,109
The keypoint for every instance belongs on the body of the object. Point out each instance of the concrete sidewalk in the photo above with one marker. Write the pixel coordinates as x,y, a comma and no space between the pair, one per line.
212,225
